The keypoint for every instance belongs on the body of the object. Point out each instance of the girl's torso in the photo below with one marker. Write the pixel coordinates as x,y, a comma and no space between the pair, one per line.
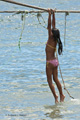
50,48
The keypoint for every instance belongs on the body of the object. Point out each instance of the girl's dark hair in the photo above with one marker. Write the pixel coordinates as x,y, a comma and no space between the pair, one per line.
56,35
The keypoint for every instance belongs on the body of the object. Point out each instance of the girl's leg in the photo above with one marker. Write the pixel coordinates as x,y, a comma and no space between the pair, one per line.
49,79
55,77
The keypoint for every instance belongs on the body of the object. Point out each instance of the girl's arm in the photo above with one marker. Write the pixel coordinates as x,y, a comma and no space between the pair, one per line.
49,23
53,19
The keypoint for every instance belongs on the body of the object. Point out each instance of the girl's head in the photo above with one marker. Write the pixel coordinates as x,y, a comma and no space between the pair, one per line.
56,35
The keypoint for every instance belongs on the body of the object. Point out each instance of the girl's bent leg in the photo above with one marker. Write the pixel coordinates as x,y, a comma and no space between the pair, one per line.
55,77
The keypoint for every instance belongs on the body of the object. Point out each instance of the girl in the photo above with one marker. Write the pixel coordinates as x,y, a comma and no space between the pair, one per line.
51,60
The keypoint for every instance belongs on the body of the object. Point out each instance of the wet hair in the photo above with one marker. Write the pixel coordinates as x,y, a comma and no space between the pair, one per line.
56,35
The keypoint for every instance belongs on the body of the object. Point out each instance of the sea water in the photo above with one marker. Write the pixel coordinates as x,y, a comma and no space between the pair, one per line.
24,92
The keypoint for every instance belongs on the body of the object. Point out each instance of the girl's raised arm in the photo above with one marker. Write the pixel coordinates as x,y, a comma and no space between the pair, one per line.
49,23
53,19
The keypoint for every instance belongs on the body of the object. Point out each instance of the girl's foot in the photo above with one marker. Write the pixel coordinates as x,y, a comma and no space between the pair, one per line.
62,98
56,99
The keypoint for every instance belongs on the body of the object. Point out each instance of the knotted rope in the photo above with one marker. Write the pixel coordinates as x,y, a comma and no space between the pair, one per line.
63,79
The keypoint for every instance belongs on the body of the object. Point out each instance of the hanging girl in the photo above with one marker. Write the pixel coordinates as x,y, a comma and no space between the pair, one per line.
51,60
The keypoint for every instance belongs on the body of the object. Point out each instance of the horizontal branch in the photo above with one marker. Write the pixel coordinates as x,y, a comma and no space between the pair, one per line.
21,11
39,11
35,7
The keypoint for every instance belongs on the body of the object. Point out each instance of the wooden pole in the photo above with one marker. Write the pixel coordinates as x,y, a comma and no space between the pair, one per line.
39,11
25,5
35,7
23,11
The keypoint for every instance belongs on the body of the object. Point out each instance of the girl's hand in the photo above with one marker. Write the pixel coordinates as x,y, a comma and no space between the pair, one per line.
49,10
53,10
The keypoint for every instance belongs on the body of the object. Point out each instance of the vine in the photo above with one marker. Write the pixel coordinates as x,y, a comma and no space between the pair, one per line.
66,14
38,17
23,16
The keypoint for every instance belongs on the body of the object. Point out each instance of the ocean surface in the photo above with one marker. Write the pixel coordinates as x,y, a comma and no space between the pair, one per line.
24,92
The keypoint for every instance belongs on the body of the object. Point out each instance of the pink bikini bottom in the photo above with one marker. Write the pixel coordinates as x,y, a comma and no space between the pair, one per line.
54,62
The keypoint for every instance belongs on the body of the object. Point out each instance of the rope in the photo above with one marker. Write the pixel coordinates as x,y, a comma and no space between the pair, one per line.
39,15
23,25
66,13
65,29
63,79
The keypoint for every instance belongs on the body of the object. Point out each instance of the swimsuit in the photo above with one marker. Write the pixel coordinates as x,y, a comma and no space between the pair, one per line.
54,62
51,46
